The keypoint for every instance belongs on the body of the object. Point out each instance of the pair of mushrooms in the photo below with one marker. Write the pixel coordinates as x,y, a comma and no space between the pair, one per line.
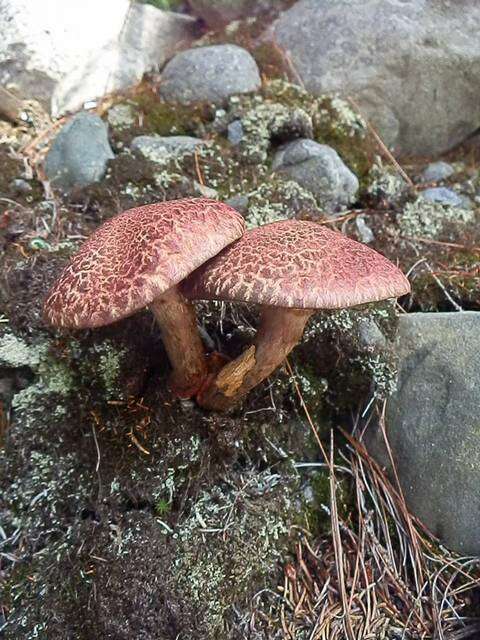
166,255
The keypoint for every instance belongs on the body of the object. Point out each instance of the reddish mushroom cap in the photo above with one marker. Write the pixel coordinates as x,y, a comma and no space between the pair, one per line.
138,255
297,264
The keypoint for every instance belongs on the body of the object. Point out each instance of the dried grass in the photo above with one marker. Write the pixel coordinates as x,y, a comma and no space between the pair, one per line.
378,574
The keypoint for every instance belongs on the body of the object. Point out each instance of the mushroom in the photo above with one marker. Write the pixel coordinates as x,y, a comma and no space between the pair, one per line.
136,259
290,268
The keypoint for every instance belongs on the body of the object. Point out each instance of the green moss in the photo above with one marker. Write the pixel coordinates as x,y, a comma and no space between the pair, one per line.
338,125
314,388
171,119
162,507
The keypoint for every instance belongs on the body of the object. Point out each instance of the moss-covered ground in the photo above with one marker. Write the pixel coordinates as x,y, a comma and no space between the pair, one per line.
124,512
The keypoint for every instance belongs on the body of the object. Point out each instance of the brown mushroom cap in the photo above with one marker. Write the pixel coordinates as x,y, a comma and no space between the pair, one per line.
136,256
297,264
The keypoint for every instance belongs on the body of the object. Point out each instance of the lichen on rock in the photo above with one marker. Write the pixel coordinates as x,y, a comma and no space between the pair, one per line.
425,219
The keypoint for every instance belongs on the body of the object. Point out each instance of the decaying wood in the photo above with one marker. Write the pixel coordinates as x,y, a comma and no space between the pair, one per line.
279,331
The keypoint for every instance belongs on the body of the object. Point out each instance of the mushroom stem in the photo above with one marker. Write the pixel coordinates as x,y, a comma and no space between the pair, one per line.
279,331
182,342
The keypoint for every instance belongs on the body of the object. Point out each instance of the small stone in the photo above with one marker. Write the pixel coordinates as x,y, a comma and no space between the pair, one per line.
235,132
364,231
370,335
80,152
209,74
206,192
318,168
239,202
162,148
19,186
437,171
442,195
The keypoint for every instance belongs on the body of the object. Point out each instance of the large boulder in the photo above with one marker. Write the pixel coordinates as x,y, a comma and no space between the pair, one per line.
80,152
67,53
413,66
209,74
433,424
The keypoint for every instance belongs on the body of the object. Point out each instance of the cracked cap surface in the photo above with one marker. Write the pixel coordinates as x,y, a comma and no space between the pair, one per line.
136,256
297,264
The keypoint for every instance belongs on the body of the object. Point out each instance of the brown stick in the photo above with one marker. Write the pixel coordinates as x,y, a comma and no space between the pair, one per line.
182,341
279,331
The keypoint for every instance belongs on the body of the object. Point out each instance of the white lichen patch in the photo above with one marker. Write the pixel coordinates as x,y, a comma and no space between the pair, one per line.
268,120
278,200
232,534
121,116
428,219
52,376
109,367
375,359
342,321
342,117
384,182
381,371
15,352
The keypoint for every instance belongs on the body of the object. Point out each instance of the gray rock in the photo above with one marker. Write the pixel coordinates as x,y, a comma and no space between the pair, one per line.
79,153
442,195
46,59
437,171
370,335
366,234
204,191
411,65
162,148
20,186
318,168
239,202
209,74
433,424
235,132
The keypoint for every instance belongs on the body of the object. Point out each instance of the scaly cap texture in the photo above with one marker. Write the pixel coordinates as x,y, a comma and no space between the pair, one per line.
136,256
297,264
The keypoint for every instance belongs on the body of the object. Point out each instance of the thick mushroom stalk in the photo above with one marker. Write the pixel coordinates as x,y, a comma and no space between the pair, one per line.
182,342
280,330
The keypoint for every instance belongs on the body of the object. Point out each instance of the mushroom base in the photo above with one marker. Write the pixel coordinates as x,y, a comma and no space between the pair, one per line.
182,342
279,331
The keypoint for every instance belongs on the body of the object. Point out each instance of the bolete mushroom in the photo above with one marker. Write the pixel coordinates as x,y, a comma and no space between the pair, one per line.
136,259
291,268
